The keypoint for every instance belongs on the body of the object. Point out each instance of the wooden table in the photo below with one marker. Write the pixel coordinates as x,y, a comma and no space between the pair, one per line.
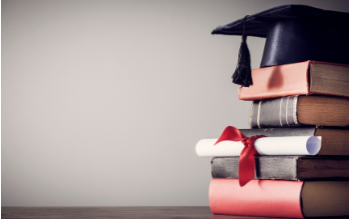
115,213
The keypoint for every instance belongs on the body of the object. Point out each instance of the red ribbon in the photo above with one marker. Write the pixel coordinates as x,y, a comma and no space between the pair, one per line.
246,161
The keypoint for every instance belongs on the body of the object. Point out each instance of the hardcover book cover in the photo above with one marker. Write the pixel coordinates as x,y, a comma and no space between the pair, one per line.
279,198
299,110
306,78
285,167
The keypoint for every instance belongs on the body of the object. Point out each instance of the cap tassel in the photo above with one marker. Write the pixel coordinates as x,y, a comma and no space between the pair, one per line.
242,74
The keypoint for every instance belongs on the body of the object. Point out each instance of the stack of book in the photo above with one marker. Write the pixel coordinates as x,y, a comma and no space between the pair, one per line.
290,186
293,162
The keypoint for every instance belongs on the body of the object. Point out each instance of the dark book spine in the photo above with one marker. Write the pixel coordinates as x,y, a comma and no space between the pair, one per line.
323,167
271,167
285,167
278,112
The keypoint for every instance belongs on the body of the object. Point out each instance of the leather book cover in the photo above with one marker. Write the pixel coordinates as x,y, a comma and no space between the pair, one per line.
268,198
276,81
290,111
285,167
303,78
278,112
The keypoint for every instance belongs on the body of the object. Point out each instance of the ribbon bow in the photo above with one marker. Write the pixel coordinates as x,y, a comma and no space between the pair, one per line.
246,161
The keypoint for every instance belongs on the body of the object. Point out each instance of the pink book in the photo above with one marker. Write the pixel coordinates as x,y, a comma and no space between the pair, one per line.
306,78
279,198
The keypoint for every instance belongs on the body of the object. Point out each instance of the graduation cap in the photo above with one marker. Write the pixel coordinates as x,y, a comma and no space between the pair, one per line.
294,33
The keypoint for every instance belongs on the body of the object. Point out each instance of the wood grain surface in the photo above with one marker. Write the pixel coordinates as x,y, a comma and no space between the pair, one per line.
115,212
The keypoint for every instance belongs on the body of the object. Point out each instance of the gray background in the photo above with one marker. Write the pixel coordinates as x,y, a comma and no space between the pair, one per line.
104,101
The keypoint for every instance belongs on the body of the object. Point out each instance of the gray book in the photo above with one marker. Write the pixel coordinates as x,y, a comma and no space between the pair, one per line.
293,111
285,167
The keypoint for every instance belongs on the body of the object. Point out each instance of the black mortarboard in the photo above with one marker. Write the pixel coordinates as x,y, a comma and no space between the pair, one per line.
294,33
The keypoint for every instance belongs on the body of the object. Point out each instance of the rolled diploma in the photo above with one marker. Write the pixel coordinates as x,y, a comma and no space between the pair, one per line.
291,145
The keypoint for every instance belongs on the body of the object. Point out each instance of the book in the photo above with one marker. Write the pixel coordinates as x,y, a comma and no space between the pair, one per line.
334,141
278,198
307,78
285,167
299,110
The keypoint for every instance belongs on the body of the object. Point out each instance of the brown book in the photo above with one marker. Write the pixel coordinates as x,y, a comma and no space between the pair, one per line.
285,167
334,141
300,110
307,78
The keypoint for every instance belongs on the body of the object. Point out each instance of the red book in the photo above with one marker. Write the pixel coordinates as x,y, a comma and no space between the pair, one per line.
278,198
307,78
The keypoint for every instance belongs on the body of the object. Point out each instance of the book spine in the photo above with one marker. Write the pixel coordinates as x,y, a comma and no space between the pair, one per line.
285,167
266,198
278,112
270,167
